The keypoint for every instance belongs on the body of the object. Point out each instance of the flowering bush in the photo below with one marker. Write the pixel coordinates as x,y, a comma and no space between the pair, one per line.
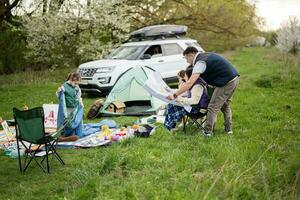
289,36
78,31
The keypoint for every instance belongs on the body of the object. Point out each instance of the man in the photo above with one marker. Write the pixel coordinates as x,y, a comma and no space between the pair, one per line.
220,74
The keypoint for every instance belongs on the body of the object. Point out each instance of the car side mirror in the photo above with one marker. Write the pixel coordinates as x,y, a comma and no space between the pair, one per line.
146,56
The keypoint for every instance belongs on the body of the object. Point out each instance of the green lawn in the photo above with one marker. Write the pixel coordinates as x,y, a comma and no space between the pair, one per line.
261,160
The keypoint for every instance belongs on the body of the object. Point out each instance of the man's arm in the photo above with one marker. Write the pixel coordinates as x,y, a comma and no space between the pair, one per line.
196,93
186,86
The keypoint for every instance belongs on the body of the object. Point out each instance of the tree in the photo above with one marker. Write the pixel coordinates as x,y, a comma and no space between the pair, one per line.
76,31
289,36
216,24
271,37
12,42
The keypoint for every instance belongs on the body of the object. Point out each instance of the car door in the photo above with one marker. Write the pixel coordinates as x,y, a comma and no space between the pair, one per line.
166,59
173,60
153,57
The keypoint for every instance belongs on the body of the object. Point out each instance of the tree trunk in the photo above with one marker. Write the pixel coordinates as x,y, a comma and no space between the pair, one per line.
55,5
45,6
5,10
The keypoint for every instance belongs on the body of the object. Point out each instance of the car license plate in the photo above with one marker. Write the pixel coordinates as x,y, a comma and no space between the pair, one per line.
83,82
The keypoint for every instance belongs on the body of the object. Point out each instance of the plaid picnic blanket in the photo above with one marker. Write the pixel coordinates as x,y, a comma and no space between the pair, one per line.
175,114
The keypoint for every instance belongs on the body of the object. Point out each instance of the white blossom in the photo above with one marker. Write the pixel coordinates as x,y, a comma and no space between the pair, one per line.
289,36
77,31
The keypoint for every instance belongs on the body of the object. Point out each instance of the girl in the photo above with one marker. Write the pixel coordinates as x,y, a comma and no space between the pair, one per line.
182,79
71,108
197,98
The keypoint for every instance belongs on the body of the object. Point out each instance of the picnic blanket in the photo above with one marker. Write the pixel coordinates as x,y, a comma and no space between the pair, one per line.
5,140
92,140
93,136
75,125
99,139
91,128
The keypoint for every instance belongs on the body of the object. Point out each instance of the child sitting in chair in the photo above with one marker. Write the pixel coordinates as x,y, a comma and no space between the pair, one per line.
181,81
70,108
197,98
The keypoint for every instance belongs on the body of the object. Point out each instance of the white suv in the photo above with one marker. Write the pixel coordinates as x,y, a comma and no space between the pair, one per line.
162,55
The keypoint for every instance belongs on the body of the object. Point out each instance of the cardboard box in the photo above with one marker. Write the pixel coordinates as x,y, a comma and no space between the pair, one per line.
117,107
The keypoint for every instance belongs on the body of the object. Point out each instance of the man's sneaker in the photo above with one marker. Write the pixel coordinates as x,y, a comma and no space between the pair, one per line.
207,133
228,131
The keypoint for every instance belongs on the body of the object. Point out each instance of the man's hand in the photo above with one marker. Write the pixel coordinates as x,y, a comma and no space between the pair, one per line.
171,97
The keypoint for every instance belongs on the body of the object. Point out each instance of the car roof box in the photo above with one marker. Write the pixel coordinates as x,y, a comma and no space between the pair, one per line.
156,31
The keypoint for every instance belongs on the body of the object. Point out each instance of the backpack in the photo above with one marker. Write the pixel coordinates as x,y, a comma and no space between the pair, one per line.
94,109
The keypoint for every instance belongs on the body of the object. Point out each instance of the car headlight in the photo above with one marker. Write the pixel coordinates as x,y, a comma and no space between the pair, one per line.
104,80
105,69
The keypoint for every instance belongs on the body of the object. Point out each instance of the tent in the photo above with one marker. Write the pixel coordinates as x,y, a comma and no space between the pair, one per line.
129,90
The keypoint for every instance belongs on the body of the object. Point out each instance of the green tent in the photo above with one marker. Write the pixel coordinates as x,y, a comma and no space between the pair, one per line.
129,90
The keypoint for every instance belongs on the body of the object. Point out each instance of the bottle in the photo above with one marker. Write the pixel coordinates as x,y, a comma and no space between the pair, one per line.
130,132
106,132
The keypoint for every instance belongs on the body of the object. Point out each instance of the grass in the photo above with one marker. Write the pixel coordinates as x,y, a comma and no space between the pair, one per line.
260,161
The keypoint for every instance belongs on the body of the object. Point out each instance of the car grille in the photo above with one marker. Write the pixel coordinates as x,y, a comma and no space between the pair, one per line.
85,72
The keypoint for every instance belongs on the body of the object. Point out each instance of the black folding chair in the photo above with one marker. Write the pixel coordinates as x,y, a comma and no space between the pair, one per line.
198,119
30,131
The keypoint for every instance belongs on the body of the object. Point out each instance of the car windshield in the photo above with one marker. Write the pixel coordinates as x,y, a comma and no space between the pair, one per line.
126,52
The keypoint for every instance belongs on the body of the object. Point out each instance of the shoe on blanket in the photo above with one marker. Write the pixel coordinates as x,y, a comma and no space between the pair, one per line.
71,138
180,125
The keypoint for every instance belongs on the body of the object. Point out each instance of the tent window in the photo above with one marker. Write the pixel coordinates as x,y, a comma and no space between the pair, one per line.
154,51
172,49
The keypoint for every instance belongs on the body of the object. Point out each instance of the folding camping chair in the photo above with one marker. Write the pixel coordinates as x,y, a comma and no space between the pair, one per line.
30,130
201,115
194,119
